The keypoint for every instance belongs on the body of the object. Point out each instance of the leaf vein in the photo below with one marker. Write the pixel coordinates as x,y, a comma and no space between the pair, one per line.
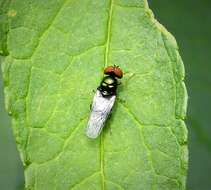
107,49
56,157
108,40
145,144
48,27
114,183
141,133
84,180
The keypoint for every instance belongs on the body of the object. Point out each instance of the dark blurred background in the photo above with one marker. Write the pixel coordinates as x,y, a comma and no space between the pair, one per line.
190,22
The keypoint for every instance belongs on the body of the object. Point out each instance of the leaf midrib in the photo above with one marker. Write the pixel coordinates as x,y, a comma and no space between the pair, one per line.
107,49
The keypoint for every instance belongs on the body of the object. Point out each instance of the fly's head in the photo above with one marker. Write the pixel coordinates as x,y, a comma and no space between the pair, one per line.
113,71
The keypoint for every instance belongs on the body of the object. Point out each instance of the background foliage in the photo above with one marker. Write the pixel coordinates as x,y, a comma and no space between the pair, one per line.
189,21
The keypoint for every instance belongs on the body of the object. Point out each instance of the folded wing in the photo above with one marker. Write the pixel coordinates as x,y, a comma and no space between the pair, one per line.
101,108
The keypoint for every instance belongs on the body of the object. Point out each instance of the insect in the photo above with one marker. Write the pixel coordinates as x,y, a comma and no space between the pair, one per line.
103,101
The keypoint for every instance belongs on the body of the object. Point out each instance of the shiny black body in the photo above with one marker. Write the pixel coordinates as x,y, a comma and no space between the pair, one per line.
108,86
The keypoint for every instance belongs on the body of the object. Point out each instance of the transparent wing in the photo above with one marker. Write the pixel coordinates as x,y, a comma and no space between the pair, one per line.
101,108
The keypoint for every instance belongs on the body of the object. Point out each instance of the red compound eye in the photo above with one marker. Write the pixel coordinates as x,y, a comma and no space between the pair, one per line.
109,70
113,70
118,72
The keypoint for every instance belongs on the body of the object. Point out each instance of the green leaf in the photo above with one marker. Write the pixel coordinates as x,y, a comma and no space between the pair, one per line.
4,5
57,52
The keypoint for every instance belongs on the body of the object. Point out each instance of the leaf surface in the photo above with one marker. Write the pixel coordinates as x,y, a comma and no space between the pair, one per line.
57,53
